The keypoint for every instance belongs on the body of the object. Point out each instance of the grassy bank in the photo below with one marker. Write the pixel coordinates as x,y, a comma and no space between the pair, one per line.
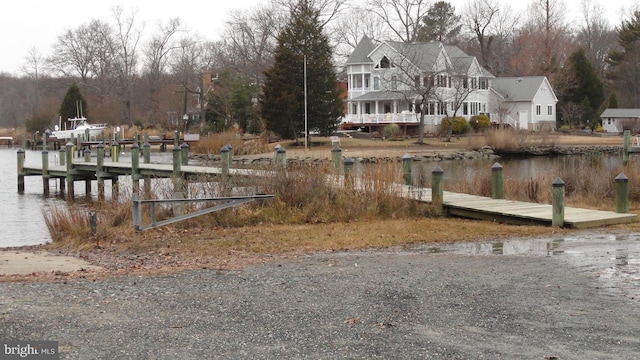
310,214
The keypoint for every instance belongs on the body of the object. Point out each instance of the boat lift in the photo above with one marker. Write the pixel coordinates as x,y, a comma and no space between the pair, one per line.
230,201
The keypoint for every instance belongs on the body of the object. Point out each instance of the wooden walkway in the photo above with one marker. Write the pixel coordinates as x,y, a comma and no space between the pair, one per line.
517,212
454,204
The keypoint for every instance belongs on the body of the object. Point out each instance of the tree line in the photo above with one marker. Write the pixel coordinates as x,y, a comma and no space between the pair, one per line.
152,77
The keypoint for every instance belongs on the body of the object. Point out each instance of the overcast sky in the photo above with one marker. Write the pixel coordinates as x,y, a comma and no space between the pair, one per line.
25,24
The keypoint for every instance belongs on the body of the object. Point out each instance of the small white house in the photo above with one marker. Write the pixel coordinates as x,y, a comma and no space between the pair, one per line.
528,100
617,120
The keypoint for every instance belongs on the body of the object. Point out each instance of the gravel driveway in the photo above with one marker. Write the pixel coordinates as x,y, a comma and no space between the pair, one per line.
393,305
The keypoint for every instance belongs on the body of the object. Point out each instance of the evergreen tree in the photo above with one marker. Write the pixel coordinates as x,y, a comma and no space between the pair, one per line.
613,101
625,64
73,103
586,89
282,102
440,24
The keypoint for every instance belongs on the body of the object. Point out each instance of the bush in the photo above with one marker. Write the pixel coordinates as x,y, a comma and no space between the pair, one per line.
480,122
460,125
392,132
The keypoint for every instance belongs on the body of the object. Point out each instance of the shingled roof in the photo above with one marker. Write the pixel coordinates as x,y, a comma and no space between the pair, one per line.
360,54
518,88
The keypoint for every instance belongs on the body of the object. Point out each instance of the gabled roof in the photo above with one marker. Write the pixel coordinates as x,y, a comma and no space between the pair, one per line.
620,113
360,54
522,88
421,54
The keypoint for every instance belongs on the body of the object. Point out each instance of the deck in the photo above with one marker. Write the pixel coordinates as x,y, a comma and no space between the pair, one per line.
517,212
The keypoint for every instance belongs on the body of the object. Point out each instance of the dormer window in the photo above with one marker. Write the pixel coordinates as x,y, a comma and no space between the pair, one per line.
384,63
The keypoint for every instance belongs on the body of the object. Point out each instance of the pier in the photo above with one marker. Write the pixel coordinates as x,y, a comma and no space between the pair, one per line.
445,203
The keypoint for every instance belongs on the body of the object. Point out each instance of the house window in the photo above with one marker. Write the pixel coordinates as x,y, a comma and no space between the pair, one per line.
538,109
367,81
387,108
484,83
465,108
354,108
376,83
367,108
394,83
549,109
385,63
465,83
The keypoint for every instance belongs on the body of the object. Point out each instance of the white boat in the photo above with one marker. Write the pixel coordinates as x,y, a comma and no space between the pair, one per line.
78,129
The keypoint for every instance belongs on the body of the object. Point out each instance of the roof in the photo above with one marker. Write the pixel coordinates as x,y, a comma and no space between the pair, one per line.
380,95
360,54
422,54
522,88
620,113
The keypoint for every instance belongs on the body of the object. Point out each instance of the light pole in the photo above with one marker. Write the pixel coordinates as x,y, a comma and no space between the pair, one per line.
306,130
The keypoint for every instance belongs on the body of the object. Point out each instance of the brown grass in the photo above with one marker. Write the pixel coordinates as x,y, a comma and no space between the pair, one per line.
308,214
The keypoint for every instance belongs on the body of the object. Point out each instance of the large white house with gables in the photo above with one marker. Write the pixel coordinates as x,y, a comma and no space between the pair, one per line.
397,82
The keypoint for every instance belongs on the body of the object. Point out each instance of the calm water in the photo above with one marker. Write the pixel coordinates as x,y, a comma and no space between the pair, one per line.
22,221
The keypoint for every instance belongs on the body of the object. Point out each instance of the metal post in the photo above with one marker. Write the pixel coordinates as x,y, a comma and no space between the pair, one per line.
437,190
497,184
557,193
21,171
622,194
407,160
115,151
336,157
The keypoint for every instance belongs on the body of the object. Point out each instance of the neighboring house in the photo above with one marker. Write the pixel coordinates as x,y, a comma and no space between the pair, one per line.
528,102
387,84
617,120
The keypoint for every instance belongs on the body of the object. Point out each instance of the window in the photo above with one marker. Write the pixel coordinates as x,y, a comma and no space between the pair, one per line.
376,83
427,81
465,108
549,109
367,108
367,81
354,108
484,83
538,109
385,63
465,83
394,83
387,108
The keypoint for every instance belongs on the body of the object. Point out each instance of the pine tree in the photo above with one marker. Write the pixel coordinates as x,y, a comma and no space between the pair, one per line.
613,101
587,87
73,103
282,101
625,64
440,24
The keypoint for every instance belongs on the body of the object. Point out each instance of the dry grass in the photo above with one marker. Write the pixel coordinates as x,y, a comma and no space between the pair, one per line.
308,214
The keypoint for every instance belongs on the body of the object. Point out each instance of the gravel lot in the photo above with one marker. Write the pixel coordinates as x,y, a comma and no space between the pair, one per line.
393,305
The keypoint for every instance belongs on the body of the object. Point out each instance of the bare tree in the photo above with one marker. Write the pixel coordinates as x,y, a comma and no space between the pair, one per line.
403,17
157,53
124,43
491,25
351,25
187,69
596,36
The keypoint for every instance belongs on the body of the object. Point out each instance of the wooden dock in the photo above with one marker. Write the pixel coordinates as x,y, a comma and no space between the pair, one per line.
453,204
517,212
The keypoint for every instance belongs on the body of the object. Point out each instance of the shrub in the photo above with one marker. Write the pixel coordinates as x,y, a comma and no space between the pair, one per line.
480,122
460,125
392,132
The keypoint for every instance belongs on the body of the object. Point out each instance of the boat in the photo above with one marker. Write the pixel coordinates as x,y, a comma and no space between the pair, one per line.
78,129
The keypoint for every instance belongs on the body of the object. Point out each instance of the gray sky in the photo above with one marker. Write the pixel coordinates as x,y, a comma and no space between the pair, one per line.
25,24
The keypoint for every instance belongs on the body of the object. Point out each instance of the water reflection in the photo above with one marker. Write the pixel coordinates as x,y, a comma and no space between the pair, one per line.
615,259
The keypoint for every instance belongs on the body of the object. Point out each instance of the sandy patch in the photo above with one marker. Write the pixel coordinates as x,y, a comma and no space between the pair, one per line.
22,263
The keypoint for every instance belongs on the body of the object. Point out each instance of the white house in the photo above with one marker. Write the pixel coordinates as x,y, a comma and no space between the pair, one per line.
617,120
529,101
397,82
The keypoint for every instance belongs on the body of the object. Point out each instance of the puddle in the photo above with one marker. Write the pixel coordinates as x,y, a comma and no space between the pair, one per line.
615,259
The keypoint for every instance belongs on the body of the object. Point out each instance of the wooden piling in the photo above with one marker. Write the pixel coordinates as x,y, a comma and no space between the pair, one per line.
99,173
437,190
407,161
625,148
45,172
281,157
348,173
557,193
21,171
135,167
497,184
69,165
622,194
